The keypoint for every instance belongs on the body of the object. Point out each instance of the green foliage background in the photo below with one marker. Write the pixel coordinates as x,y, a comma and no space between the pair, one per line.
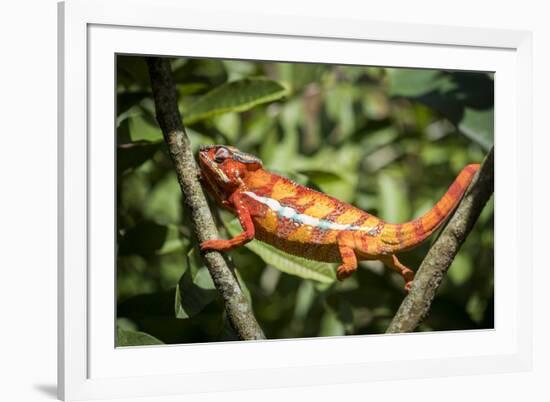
387,140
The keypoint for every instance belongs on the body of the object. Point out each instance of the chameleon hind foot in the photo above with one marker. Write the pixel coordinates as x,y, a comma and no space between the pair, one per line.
393,263
349,262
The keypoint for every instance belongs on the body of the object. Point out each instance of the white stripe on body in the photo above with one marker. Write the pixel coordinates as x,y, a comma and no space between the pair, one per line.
292,214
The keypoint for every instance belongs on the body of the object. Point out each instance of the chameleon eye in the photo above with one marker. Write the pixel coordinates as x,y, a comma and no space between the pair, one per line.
221,155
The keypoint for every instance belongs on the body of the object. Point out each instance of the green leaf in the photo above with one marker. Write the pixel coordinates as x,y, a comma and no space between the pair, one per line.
132,279
461,270
195,289
143,239
125,100
236,96
394,205
132,72
132,155
244,288
299,75
411,83
126,324
331,325
144,128
478,126
208,72
334,184
238,69
126,337
372,141
277,151
333,171
339,107
464,98
284,262
229,124
163,204
173,241
476,306
304,300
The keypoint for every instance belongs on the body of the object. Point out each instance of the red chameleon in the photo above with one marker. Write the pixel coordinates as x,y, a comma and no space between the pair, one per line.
310,224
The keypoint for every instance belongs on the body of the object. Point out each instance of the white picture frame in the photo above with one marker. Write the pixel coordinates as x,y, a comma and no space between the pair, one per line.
92,32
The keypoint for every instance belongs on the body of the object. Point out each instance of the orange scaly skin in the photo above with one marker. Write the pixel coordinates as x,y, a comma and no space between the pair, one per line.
310,224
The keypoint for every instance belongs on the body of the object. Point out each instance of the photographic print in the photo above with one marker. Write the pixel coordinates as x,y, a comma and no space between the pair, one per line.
277,200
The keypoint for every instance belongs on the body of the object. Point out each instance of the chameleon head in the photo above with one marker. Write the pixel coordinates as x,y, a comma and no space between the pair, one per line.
223,168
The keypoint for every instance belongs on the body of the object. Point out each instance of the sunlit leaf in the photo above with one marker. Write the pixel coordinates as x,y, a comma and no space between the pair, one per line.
333,184
126,324
125,337
465,98
229,124
394,204
190,89
163,203
333,171
144,128
173,241
478,125
298,75
238,69
236,96
413,82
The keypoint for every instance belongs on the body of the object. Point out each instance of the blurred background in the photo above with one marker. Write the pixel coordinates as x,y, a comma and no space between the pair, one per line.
388,140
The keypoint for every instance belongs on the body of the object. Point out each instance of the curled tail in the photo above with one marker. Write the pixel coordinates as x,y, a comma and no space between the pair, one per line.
410,234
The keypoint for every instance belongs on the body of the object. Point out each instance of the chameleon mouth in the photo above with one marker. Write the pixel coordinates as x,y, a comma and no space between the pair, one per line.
211,174
208,165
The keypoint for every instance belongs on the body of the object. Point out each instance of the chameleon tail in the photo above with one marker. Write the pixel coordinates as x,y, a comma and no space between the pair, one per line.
410,234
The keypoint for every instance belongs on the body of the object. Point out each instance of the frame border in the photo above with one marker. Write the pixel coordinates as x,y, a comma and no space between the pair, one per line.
74,17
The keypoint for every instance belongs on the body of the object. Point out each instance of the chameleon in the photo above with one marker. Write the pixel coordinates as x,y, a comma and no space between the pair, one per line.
308,223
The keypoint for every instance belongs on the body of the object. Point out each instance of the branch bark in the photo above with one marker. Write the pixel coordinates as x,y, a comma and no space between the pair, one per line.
417,303
238,310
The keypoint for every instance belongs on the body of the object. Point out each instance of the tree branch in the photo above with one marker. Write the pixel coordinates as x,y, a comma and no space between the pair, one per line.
238,310
417,303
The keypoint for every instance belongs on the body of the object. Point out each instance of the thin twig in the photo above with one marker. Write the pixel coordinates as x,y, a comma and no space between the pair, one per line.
416,305
238,310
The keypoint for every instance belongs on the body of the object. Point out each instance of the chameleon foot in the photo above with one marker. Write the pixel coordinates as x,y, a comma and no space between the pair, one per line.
408,276
392,262
344,272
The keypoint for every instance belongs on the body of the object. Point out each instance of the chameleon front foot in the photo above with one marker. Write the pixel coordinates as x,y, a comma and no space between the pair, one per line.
216,245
